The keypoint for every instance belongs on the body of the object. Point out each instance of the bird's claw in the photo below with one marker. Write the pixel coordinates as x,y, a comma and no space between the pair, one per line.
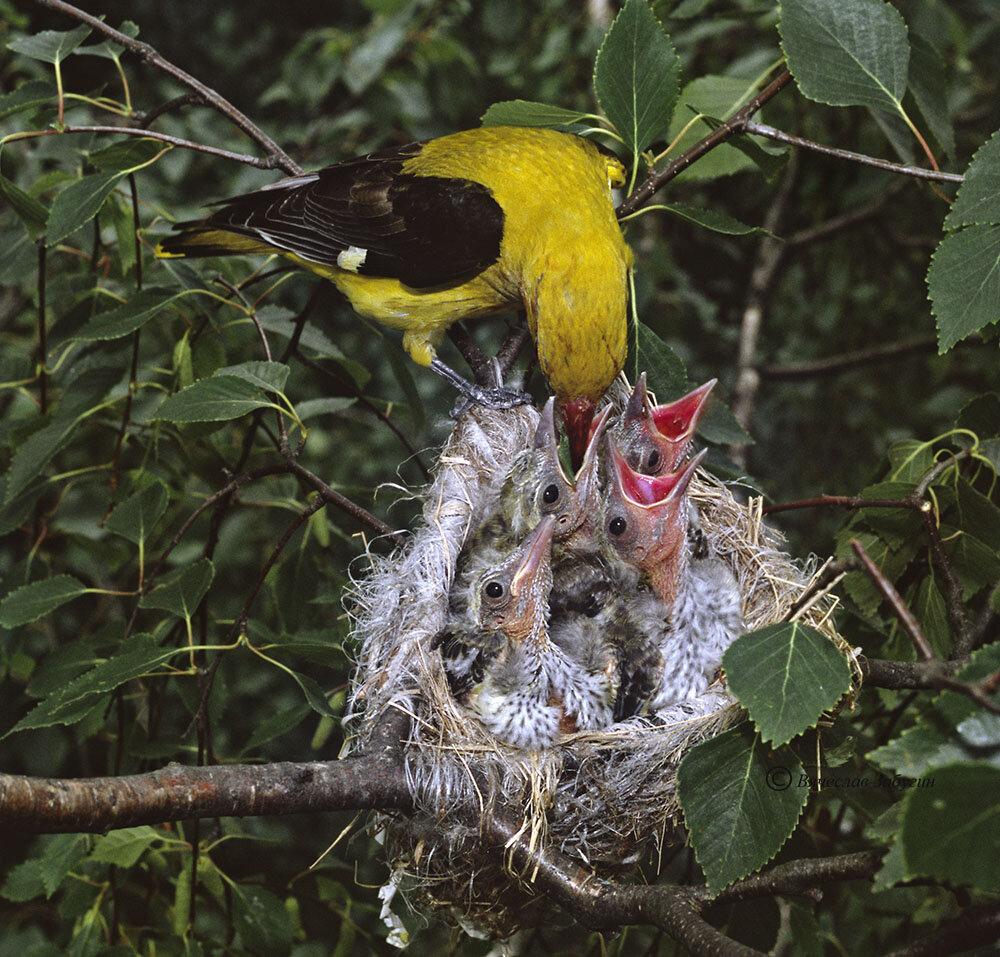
491,398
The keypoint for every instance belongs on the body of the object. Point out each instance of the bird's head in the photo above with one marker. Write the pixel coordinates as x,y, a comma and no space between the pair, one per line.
654,439
513,597
537,484
645,519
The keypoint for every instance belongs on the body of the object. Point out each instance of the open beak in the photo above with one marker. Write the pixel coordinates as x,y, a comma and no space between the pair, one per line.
652,490
587,477
577,415
677,420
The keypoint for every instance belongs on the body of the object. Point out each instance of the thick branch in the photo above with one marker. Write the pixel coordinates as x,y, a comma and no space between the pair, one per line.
178,792
276,155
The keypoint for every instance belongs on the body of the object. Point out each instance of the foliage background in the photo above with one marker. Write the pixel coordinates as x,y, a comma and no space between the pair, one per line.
332,81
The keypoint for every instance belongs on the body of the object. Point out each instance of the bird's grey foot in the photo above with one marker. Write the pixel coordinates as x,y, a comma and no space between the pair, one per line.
492,397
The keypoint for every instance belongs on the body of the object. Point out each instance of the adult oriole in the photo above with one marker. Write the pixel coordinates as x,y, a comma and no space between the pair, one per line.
470,224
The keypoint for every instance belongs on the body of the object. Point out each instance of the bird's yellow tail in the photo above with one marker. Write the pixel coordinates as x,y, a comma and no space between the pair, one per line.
197,240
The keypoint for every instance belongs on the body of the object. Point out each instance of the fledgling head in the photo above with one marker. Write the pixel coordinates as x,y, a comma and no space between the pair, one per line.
645,520
513,597
537,485
653,440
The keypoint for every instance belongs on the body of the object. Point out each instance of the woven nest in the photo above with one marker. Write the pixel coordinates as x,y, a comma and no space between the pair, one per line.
608,797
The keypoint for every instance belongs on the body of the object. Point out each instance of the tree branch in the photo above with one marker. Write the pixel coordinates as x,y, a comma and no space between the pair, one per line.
759,129
977,926
178,792
276,156
848,360
735,124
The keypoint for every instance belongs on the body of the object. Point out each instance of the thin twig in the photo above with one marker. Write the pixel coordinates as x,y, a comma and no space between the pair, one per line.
185,99
760,129
953,600
853,217
239,625
246,158
735,124
848,360
895,600
276,156
43,378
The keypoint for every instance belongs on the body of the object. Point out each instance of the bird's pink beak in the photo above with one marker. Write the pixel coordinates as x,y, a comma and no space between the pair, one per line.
677,420
537,551
653,490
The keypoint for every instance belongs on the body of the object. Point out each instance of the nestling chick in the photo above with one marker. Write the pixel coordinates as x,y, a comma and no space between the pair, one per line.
525,689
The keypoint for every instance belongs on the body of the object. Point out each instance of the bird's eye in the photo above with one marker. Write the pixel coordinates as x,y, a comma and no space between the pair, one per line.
551,494
654,460
493,590
617,526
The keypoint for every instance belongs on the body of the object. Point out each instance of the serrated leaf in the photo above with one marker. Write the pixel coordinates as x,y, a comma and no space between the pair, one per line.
909,460
61,855
930,610
217,399
711,96
125,155
183,592
978,199
928,83
50,46
23,882
135,517
124,847
123,320
785,675
108,48
261,921
663,367
740,803
33,214
848,52
713,219
26,96
139,656
980,415
77,204
933,739
530,113
951,830
270,376
982,730
635,76
31,602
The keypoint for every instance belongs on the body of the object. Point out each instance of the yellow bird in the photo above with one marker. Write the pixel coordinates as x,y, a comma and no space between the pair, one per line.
474,223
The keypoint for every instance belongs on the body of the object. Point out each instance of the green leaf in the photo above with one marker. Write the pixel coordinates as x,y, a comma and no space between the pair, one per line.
63,852
963,283
928,82
847,52
216,399
934,739
977,202
108,48
182,592
740,803
529,113
30,602
23,882
123,320
33,214
663,367
35,452
139,656
719,425
277,725
270,376
124,847
77,204
262,921
313,408
51,46
26,96
635,76
401,366
135,517
714,219
786,676
951,827
125,155
312,338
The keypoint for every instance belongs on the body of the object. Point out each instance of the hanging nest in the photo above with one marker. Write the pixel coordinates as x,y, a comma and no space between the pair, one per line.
606,797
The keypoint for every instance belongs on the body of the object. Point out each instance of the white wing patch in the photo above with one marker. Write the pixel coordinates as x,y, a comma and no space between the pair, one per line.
352,258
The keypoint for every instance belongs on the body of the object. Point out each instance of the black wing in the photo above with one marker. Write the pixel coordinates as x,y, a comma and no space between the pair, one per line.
423,230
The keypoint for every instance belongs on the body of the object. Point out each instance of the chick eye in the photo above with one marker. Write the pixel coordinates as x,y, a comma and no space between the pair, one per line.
551,494
493,590
654,460
617,526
